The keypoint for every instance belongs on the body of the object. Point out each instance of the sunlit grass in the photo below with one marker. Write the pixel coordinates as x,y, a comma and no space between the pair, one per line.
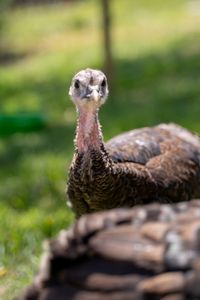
156,47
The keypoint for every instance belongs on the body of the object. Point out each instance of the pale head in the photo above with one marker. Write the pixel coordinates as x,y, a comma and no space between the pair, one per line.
89,89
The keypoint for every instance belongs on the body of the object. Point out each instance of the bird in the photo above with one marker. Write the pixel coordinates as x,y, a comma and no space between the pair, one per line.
159,163
149,252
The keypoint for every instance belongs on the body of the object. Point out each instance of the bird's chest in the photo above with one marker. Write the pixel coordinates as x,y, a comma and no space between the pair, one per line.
87,175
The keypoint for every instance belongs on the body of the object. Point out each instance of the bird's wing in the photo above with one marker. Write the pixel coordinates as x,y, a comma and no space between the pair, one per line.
149,252
135,146
141,145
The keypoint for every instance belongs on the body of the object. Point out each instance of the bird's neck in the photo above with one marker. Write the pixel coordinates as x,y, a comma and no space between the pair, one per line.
88,132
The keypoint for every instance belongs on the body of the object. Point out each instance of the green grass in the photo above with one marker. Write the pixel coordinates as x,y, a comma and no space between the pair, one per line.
156,46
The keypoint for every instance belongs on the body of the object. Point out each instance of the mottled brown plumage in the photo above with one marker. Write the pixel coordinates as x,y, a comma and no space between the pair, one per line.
160,163
145,253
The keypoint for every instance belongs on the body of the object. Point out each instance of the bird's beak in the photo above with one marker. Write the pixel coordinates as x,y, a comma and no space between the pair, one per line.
93,93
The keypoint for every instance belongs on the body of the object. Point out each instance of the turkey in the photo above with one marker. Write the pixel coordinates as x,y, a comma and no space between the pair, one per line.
147,252
160,163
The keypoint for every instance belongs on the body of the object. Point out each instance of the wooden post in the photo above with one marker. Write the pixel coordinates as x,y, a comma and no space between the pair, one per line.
106,20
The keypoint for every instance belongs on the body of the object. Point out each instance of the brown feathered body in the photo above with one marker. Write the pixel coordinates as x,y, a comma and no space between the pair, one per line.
145,253
160,163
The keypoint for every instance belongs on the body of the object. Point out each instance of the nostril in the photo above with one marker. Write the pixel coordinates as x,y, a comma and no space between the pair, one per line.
88,90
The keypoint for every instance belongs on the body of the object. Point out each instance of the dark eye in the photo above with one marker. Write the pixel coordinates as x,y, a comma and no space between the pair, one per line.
103,84
76,84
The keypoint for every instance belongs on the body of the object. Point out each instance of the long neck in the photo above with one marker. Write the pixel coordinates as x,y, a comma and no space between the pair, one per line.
88,131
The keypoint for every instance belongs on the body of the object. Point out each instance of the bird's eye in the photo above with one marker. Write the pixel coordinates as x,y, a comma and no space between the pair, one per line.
103,84
76,84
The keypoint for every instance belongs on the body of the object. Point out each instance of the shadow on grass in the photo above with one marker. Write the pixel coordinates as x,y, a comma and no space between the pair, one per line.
148,90
9,58
57,139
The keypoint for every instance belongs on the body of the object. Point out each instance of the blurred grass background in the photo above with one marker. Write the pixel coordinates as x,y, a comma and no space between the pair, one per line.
156,48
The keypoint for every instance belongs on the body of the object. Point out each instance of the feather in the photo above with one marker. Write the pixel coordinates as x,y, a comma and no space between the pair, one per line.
145,253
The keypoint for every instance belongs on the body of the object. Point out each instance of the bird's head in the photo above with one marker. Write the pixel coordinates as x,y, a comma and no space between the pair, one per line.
89,89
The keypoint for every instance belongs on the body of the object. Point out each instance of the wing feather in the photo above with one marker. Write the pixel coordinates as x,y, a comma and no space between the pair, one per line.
141,145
